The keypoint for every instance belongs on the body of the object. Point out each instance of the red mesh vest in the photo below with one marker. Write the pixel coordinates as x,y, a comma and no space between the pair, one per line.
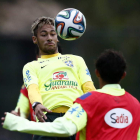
110,117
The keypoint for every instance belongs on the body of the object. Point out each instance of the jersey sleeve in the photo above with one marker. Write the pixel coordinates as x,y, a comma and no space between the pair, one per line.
60,127
77,115
88,86
34,94
23,104
30,74
83,72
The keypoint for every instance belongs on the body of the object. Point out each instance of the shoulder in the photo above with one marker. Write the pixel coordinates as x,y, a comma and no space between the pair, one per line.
74,56
89,99
132,98
31,64
92,95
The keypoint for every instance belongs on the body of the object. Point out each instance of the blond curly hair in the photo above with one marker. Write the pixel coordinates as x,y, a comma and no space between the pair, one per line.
40,22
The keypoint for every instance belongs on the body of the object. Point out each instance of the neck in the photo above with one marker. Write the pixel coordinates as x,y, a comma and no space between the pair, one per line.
48,53
49,56
103,83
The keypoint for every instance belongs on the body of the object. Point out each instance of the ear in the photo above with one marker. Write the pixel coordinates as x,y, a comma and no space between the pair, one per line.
97,73
124,74
34,38
57,40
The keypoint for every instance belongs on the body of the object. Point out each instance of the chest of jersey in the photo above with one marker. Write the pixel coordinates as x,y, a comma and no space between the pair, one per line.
57,69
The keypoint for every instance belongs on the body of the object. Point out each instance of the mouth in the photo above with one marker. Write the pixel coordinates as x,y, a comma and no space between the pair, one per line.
50,44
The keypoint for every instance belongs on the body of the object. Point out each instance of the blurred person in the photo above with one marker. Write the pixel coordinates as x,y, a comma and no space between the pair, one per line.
54,81
109,113
24,107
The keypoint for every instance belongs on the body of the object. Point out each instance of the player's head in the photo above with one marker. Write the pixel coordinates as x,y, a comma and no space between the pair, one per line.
110,67
44,35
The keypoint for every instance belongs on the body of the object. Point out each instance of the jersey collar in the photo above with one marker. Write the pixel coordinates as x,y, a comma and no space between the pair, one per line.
112,89
49,56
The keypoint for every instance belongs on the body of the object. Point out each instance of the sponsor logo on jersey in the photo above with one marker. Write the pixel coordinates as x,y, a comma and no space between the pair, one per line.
60,75
69,63
25,80
43,66
76,110
28,75
63,57
118,118
43,61
53,85
73,109
87,72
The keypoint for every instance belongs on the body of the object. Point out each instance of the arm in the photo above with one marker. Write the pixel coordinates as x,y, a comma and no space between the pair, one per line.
73,121
15,123
88,86
31,83
84,75
34,94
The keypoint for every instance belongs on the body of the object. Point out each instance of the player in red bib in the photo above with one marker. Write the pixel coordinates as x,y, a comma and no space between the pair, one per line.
24,107
112,113
109,113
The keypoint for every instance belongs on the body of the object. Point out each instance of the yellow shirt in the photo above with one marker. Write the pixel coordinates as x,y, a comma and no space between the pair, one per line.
59,78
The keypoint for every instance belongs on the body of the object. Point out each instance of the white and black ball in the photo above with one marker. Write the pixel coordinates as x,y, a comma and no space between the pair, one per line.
70,24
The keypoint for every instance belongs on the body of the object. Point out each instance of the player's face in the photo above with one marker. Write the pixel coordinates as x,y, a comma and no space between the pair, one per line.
46,40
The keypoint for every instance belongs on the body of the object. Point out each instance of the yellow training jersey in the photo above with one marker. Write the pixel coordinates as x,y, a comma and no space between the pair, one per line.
59,78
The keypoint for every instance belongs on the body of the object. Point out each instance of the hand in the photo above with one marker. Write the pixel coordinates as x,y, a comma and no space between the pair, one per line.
39,109
3,118
16,113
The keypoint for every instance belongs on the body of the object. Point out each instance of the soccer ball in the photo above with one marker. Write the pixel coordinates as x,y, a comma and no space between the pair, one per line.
70,24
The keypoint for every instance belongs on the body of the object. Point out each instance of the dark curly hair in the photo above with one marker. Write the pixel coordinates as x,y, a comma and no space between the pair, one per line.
111,66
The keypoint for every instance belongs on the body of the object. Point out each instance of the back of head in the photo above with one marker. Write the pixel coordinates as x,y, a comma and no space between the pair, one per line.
38,23
111,65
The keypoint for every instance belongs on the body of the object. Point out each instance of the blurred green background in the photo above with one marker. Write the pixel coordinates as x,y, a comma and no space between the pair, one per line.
110,24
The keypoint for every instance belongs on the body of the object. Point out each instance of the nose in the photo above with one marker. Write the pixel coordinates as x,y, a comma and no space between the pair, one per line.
49,38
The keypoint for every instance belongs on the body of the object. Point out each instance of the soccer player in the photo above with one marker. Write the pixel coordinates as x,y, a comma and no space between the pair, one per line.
54,81
109,113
